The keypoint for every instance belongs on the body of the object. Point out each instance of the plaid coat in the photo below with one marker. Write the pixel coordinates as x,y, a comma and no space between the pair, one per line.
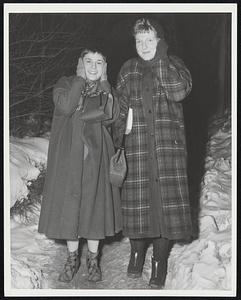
154,196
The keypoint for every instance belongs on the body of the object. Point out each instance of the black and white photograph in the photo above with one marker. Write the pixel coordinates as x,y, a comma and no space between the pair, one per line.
120,149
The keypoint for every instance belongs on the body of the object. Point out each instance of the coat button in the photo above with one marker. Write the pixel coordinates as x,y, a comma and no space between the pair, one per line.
149,111
175,142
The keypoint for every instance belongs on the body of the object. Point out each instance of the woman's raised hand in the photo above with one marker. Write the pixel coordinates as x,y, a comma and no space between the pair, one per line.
104,72
80,71
162,48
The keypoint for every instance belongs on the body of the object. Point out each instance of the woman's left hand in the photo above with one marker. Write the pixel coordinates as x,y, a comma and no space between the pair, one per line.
162,48
104,73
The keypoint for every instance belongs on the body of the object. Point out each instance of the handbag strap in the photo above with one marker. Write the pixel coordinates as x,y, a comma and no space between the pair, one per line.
122,146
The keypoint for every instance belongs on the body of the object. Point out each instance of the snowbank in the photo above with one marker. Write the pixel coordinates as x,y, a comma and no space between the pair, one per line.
206,262
26,155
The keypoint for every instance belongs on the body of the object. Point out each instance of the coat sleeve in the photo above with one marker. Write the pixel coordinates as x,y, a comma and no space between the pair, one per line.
66,94
122,94
175,78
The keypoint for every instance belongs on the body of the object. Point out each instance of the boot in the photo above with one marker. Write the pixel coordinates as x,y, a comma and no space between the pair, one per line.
71,267
137,258
158,273
93,267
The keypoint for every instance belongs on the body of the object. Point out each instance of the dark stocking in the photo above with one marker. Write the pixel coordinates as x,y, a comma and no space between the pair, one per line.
161,248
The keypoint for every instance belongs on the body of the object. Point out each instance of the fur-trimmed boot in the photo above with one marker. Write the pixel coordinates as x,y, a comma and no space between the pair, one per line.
93,267
71,267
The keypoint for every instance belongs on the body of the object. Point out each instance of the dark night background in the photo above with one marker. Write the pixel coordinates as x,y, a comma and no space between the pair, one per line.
43,47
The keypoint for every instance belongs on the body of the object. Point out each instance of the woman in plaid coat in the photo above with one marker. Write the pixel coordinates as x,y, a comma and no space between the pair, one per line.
155,201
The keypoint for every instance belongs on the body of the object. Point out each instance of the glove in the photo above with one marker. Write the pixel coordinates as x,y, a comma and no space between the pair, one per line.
104,73
162,49
80,71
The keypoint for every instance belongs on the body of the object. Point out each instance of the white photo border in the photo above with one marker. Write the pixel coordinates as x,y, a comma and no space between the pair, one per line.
117,8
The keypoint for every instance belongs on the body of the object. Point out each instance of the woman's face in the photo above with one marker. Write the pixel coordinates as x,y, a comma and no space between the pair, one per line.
94,64
146,43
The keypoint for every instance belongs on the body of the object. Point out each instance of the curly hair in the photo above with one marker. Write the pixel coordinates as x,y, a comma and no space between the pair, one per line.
147,24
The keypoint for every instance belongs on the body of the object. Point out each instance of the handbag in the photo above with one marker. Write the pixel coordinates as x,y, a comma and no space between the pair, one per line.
97,107
118,165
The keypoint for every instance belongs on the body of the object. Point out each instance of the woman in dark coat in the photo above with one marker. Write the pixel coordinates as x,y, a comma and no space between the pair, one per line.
78,200
155,202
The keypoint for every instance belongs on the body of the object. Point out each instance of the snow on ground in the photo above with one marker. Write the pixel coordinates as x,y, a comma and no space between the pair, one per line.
203,264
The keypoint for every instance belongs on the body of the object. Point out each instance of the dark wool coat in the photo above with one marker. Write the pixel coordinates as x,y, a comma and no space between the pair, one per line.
155,199
78,200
